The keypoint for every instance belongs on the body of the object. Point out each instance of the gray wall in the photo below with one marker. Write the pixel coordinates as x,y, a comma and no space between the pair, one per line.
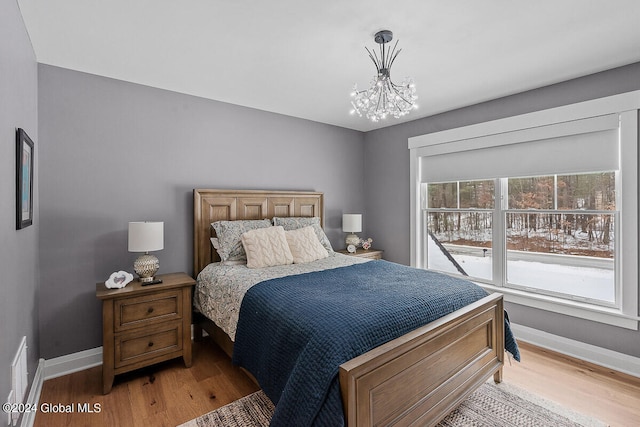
113,152
387,191
19,248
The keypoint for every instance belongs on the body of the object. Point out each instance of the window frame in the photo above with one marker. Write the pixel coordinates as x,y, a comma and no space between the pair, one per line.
625,107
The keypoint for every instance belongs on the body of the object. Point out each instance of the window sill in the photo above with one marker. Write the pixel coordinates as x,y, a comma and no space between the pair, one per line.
609,316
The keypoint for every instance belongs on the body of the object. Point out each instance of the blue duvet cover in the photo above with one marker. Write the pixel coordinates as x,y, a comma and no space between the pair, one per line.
294,332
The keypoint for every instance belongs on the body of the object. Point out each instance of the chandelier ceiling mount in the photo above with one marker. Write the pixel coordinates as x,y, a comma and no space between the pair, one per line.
384,98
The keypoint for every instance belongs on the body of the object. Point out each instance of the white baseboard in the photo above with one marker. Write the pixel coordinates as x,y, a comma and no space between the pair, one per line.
590,353
70,363
57,367
29,418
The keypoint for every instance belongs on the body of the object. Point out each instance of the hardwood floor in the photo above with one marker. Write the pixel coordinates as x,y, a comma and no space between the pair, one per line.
168,394
602,393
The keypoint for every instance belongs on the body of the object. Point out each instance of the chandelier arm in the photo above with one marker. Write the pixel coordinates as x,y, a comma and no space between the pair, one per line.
380,96
394,86
392,56
373,57
387,100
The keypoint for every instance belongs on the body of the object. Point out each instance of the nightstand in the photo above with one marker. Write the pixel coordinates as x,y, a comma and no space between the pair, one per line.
371,253
143,325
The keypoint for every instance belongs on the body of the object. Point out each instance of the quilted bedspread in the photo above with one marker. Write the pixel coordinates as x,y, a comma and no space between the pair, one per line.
294,332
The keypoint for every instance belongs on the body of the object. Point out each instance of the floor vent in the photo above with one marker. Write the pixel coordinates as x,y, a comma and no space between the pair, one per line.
19,375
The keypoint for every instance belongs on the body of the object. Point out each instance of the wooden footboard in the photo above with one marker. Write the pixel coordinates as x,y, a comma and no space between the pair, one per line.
422,376
419,378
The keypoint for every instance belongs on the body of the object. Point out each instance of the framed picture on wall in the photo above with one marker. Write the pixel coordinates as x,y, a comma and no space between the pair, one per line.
24,179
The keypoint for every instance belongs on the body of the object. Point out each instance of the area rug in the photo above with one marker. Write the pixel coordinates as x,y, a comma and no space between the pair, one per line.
491,405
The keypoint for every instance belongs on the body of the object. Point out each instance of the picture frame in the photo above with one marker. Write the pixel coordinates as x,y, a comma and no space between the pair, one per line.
24,179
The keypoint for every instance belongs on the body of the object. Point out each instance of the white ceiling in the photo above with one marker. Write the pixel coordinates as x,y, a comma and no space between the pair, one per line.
301,58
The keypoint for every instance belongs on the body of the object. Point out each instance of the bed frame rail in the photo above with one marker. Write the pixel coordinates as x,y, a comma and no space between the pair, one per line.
419,378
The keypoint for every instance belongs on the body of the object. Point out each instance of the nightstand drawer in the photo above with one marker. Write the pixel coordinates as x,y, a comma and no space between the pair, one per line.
362,253
141,345
138,311
375,254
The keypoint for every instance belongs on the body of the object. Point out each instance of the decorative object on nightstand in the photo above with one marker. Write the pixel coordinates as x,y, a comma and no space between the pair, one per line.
146,237
366,244
144,325
352,223
118,279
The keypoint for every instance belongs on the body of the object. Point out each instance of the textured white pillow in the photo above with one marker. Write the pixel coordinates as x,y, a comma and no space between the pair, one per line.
228,234
305,245
266,247
295,222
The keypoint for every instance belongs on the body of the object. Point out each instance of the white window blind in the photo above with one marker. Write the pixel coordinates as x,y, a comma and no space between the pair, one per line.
572,147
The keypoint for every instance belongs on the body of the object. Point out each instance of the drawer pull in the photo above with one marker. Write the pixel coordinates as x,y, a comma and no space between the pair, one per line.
150,310
151,344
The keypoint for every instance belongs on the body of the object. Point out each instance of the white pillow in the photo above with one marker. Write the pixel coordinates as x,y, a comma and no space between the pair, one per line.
266,247
228,234
295,222
305,245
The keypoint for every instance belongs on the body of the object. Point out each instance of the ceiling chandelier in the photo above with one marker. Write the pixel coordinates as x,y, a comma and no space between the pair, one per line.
384,97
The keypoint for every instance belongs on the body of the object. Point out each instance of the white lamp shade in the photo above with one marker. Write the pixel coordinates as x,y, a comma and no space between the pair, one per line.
146,236
352,223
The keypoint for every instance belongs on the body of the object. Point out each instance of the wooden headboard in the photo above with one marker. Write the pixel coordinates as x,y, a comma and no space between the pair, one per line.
210,205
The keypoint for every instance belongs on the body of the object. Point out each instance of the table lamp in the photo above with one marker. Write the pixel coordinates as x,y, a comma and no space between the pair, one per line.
352,223
145,237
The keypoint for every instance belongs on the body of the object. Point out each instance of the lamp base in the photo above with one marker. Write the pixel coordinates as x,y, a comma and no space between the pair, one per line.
146,267
352,239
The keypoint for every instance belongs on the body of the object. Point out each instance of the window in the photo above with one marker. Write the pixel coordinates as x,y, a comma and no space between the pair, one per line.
459,226
560,236
541,207
558,230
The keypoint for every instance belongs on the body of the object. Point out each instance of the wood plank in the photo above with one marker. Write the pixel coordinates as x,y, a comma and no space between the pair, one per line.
167,394
602,393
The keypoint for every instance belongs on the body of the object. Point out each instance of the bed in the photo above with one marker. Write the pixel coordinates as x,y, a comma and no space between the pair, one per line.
417,378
